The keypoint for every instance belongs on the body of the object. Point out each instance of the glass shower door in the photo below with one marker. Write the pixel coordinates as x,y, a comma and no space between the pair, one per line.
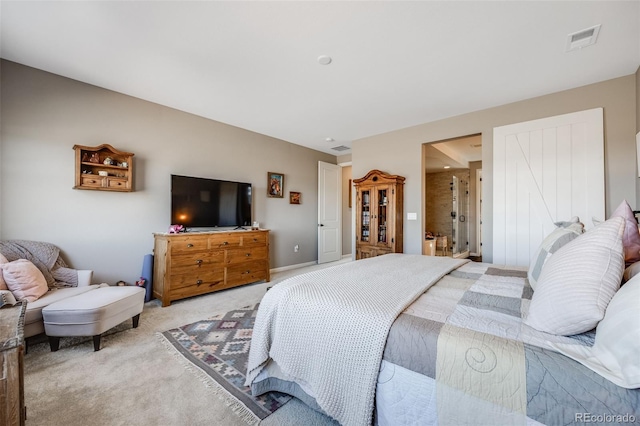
459,216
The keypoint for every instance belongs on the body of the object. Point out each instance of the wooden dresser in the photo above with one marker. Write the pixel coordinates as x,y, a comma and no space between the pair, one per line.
197,263
12,409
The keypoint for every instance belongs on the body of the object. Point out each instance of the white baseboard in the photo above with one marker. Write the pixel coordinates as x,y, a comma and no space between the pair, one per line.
296,266
474,254
302,265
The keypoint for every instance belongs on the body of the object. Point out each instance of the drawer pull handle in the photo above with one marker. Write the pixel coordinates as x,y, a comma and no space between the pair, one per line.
199,282
189,245
255,239
246,272
199,261
248,254
225,243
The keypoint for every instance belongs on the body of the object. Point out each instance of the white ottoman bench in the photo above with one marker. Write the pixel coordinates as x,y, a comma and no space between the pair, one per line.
92,313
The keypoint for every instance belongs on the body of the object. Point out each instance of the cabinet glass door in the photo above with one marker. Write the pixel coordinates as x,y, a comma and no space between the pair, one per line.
382,215
365,219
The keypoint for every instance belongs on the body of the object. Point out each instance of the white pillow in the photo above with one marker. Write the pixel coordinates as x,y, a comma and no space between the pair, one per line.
578,281
24,279
564,233
615,354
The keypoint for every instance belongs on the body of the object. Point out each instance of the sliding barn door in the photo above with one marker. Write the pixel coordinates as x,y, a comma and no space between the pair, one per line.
545,171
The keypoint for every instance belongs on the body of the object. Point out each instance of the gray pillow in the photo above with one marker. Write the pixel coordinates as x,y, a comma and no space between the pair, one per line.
564,233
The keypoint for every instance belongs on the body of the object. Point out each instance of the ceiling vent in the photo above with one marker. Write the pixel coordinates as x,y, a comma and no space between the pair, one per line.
341,148
582,38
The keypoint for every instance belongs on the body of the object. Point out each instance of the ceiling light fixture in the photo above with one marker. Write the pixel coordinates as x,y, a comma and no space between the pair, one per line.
324,60
447,167
330,139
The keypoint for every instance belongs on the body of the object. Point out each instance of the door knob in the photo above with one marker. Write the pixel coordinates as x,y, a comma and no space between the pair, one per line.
320,224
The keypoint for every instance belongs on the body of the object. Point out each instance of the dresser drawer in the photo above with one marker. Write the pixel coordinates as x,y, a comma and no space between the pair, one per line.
247,272
188,244
192,262
197,279
225,240
196,289
245,254
255,239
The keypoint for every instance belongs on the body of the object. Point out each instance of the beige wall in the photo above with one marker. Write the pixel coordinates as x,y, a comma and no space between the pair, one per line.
638,100
399,152
44,115
637,206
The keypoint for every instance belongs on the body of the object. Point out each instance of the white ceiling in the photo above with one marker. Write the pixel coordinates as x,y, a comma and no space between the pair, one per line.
254,64
452,154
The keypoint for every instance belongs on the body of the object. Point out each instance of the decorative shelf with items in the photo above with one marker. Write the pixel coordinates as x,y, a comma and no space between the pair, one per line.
379,201
103,168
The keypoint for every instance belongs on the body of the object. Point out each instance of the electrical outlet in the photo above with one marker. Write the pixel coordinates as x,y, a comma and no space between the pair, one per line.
296,248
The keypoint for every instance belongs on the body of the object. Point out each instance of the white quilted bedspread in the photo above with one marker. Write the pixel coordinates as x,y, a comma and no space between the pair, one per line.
328,328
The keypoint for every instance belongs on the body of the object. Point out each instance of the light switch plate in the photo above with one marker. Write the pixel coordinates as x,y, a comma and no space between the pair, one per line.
412,216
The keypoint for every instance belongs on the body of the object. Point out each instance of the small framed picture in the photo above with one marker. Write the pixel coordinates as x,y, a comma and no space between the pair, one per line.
294,197
275,185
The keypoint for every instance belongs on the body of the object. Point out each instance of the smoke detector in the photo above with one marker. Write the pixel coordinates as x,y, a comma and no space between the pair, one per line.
583,38
324,60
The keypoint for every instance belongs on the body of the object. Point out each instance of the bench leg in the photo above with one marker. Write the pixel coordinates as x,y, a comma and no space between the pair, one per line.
136,320
54,343
96,343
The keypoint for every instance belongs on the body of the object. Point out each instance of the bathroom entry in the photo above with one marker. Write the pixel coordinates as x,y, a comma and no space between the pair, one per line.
450,196
459,216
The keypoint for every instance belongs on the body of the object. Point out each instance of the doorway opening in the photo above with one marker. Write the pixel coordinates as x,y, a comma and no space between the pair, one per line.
451,196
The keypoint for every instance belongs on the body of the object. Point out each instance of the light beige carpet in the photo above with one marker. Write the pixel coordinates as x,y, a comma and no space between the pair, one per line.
135,380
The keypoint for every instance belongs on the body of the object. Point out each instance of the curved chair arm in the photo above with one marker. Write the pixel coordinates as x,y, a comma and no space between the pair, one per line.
84,277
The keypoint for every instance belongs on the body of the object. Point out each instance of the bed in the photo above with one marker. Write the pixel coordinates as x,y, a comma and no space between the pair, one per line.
419,340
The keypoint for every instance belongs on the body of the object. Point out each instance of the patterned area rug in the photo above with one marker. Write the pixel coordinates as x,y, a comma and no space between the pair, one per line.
219,348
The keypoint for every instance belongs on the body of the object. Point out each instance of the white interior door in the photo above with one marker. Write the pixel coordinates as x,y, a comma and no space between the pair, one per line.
329,212
545,171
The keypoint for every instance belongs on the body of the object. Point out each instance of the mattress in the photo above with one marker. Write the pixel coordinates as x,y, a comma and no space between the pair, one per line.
460,354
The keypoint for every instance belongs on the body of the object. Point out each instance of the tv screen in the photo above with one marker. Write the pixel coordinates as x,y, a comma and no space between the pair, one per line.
209,203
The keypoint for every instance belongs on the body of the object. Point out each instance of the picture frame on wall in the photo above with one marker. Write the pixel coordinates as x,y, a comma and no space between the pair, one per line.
275,185
295,197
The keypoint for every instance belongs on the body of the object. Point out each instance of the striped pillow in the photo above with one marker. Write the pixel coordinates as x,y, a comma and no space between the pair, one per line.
578,282
565,232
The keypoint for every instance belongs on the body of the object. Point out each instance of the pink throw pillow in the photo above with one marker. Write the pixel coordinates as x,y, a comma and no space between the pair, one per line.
631,236
24,279
3,285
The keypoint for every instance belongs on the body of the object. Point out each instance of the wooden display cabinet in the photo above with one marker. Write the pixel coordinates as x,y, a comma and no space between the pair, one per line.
379,210
103,168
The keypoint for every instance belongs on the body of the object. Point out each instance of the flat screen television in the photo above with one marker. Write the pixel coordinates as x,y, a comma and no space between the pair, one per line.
209,203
